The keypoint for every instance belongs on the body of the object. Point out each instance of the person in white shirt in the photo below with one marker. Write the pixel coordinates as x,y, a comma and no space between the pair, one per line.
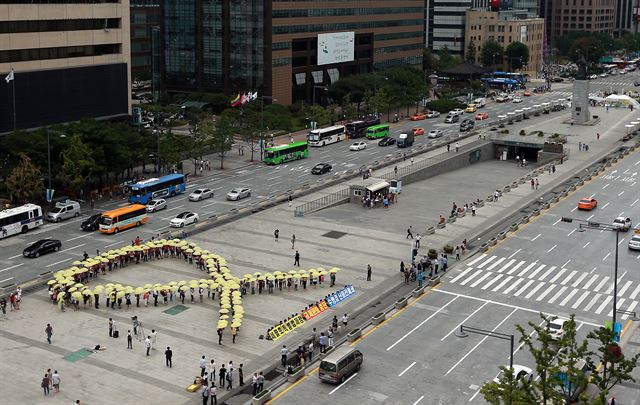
154,338
203,366
212,370
147,344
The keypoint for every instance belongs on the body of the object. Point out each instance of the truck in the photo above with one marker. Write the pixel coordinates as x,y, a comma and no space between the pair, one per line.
480,102
405,140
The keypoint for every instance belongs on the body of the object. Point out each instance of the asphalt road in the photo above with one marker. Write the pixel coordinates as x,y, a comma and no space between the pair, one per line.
263,180
547,266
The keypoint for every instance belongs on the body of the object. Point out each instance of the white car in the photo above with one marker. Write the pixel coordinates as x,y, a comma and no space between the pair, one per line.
622,223
593,77
634,243
556,328
358,146
603,75
238,193
433,114
457,111
520,374
517,100
184,218
200,194
156,205
435,133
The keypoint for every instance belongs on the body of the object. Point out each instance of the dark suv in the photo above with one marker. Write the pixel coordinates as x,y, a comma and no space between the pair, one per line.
467,125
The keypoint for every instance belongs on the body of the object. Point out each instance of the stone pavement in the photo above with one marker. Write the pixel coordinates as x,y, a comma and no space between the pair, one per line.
124,376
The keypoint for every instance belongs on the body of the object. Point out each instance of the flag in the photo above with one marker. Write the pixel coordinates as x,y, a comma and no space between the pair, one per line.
236,101
9,77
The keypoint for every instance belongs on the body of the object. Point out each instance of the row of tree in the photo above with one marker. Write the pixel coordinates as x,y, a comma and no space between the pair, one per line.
564,368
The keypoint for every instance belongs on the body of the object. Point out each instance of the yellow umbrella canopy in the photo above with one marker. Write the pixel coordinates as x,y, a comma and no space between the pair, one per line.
297,276
172,283
224,317
222,324
72,289
138,290
184,288
225,306
334,270
52,282
238,315
77,295
77,263
182,282
224,311
236,324
99,287
120,294
62,295
293,271
87,292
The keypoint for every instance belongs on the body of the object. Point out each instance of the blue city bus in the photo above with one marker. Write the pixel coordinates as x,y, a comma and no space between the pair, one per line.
166,186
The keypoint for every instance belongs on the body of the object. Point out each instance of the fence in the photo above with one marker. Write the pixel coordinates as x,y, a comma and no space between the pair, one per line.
323,202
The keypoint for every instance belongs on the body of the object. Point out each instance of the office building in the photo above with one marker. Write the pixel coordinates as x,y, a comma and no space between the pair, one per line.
145,18
482,26
445,23
69,58
627,13
564,16
288,50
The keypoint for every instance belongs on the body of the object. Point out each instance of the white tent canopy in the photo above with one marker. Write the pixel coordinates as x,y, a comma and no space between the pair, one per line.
622,101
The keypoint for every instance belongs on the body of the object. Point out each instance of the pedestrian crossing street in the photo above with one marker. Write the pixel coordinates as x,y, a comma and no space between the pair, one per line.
572,289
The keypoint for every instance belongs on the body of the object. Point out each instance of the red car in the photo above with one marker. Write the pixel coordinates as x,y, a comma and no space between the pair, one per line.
482,116
418,131
418,117
587,203
527,93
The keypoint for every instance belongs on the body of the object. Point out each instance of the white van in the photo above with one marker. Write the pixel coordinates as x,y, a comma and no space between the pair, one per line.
480,102
340,364
64,210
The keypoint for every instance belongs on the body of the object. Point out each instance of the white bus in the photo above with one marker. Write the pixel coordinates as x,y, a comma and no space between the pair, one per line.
20,219
325,136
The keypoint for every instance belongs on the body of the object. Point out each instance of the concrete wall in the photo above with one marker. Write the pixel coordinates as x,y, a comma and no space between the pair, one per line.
480,153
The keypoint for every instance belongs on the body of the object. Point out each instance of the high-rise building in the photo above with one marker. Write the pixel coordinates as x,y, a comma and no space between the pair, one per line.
482,26
288,50
445,23
145,16
63,60
564,16
627,16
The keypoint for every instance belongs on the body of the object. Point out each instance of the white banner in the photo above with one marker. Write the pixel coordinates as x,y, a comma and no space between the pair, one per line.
336,47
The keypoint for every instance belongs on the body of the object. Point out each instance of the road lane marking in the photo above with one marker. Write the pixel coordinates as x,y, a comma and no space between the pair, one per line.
536,237
524,288
341,385
586,244
479,343
552,247
71,248
174,208
207,205
593,269
463,322
568,261
579,280
546,292
602,283
489,260
591,216
546,273
6,279
514,253
569,277
558,294
605,257
492,281
635,292
472,276
605,206
13,257
571,233
618,306
574,208
526,269
513,286
78,237
555,223
506,266
61,261
592,302
474,261
502,284
634,203
605,186
579,301
604,304
421,323
113,244
621,240
536,271
407,369
630,309
481,279
516,267
464,273
496,264
420,399
624,288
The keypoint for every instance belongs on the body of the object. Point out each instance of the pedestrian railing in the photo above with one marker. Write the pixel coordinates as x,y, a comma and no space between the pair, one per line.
323,202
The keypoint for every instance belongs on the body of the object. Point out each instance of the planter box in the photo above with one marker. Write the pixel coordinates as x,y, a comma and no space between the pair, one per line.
493,241
490,198
354,335
525,219
262,397
441,225
461,214
564,193
514,185
536,212
401,303
479,203
555,199
296,375
506,189
417,292
522,180
377,319
502,235
430,230
572,188
451,219
434,281
514,227
484,247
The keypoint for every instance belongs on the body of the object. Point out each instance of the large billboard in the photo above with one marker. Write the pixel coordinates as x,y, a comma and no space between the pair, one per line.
336,47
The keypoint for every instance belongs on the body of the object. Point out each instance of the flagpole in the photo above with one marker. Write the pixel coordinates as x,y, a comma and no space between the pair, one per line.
13,86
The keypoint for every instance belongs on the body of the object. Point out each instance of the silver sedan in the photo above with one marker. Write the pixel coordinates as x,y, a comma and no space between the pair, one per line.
238,193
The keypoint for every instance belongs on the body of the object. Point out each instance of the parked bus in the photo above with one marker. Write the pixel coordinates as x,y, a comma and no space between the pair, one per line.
356,129
378,131
325,136
20,219
166,186
285,153
123,218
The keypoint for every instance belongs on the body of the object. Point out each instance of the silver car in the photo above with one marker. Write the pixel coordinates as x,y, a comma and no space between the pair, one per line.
200,194
156,205
238,193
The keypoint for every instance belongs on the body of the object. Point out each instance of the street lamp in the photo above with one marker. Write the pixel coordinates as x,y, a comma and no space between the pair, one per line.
462,333
62,135
262,123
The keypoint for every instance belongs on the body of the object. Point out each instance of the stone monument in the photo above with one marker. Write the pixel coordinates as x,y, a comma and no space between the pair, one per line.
580,102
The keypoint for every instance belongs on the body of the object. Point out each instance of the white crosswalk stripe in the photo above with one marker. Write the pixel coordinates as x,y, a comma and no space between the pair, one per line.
579,280
481,279
546,273
536,271
546,292
492,281
602,283
513,286
591,281
524,288
557,275
604,304
505,281
630,309
592,302
496,264
582,298
558,294
464,273
476,260
569,277
506,266
516,267
471,277
526,269
619,306
568,297
489,260
625,288
610,289
535,290
635,292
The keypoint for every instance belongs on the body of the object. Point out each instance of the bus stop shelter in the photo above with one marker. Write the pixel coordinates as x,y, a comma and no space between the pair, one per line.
369,189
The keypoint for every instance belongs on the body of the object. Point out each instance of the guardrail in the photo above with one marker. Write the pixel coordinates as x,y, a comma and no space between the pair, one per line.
315,205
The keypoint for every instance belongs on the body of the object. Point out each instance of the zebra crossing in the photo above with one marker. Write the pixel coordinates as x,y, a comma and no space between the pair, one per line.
570,288
625,83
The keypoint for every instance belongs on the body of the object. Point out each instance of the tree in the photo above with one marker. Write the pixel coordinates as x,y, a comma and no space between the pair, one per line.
518,54
77,163
318,114
470,55
608,364
507,390
25,181
221,137
428,60
349,111
492,53
445,59
588,48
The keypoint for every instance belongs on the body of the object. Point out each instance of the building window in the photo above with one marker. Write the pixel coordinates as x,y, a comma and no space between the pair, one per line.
23,55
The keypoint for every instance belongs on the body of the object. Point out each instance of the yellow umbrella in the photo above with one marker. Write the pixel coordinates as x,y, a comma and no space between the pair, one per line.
77,295
87,292
62,295
238,315
224,317
138,290
334,270
182,282
222,324
297,276
236,324
224,311
120,294
293,271
184,288
51,282
72,289
77,263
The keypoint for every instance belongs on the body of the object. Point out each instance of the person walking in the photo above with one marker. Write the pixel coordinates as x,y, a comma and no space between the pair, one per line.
222,374
296,259
111,327
49,331
409,232
147,344
229,377
417,241
205,394
129,340
154,338
537,183
457,146
323,342
213,394
234,333
395,171
276,234
240,375
220,332
345,320
412,160
533,184
212,370
45,384
293,241
368,272
448,147
260,382
55,380
284,353
168,355
203,366
254,384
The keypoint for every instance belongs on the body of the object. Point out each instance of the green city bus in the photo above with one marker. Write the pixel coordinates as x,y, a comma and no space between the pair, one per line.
377,131
285,153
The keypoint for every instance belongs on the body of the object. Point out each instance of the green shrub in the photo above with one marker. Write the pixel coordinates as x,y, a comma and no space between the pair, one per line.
522,132
448,249
432,254
444,105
